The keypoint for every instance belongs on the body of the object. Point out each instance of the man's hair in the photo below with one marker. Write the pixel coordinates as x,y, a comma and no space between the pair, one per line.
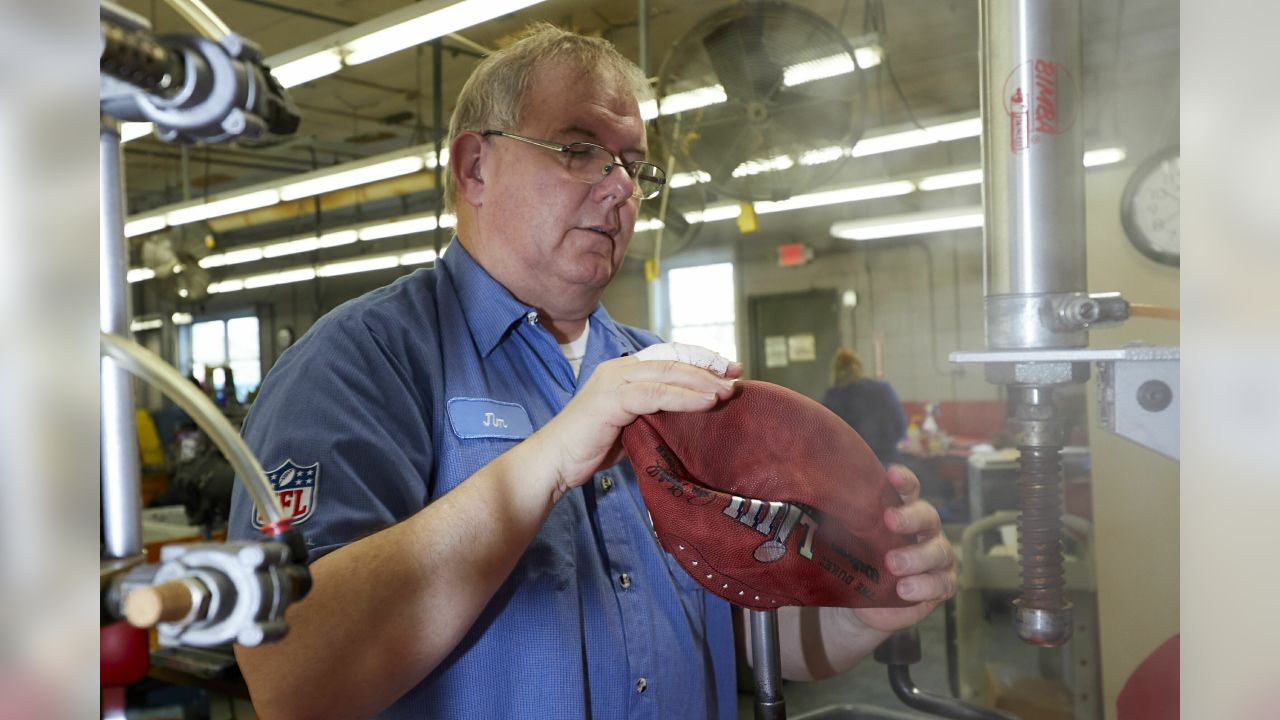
494,96
847,367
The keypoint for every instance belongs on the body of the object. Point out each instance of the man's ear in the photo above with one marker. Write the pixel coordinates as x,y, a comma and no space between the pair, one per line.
464,162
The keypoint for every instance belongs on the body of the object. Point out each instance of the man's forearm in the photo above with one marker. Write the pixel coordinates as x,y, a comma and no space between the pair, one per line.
385,610
817,642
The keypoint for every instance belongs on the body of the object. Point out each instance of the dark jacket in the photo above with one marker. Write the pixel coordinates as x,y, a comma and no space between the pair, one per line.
871,407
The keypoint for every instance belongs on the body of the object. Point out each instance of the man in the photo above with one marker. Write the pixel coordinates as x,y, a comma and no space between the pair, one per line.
479,545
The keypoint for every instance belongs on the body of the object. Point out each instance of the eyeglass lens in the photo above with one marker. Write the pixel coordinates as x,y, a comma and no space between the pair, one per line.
590,163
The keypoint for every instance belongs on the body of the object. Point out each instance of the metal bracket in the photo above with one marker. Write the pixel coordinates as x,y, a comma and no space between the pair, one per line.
1137,388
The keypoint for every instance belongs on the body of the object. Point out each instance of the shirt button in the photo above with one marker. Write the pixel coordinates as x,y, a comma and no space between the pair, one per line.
641,684
606,483
624,580
532,317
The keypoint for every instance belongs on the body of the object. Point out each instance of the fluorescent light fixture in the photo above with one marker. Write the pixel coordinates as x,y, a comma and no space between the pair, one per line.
349,178
309,244
225,286
837,197
227,206
680,180
359,265
755,167
231,257
400,227
181,318
912,224
648,224
430,26
648,109
822,156
139,274
279,278
418,257
429,159
306,69
951,180
1103,156
692,99
141,325
134,130
830,66
945,132
714,214
144,225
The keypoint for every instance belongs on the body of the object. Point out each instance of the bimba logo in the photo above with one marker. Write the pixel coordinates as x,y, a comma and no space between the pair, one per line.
1041,100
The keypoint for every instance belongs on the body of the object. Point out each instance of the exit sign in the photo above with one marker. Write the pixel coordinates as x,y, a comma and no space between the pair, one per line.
794,254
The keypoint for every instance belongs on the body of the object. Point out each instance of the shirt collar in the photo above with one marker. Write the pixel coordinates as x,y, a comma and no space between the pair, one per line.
490,309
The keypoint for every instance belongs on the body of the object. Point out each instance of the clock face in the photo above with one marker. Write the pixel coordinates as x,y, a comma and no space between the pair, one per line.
1150,208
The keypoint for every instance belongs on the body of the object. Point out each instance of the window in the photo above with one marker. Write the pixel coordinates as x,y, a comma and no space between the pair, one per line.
702,305
227,344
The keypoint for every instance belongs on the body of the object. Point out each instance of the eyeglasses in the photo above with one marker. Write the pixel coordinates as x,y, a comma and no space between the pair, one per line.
591,163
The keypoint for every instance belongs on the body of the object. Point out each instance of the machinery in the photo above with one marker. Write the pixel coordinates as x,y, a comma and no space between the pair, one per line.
203,88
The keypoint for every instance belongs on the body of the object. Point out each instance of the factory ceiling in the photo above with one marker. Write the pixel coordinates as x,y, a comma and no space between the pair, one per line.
926,72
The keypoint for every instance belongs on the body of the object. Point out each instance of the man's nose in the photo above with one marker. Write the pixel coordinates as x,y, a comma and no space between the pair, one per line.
617,185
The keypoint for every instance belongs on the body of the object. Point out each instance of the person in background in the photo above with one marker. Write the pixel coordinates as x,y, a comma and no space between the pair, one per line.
871,407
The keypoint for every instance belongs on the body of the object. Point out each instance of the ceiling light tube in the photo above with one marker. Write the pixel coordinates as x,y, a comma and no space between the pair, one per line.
279,278
680,180
366,264
134,130
231,257
348,178
225,286
139,274
912,224
181,318
714,214
1103,156
424,28
141,325
400,227
692,99
227,206
418,257
311,67
951,180
837,197
144,225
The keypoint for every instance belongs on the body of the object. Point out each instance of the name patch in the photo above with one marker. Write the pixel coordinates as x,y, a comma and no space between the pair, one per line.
483,418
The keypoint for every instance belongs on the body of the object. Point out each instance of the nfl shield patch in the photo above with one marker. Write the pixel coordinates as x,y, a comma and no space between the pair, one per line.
295,486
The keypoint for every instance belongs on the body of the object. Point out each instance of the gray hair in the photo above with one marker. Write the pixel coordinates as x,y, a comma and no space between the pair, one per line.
494,96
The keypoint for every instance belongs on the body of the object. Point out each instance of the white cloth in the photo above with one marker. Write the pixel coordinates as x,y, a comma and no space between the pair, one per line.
695,355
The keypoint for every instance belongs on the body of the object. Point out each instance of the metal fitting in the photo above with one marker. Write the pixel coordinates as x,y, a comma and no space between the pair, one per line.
1036,373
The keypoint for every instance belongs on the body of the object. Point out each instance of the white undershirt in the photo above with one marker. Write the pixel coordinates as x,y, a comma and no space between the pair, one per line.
574,351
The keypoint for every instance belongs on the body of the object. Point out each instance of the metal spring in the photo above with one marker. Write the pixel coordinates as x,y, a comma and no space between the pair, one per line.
1040,528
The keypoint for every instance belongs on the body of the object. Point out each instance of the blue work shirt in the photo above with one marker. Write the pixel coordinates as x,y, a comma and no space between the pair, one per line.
396,397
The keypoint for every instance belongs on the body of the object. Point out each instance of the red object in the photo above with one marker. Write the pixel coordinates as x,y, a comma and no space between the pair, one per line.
974,420
1151,692
124,654
793,255
769,499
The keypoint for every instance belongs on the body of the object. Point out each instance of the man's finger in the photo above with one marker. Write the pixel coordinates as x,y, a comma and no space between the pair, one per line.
932,587
646,398
905,482
674,372
933,555
917,517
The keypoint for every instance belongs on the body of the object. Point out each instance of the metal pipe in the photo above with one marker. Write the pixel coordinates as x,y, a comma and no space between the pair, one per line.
1033,179
766,665
120,469
201,18
642,19
917,699
148,366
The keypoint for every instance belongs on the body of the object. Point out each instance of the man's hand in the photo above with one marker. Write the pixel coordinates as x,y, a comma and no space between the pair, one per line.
925,570
583,437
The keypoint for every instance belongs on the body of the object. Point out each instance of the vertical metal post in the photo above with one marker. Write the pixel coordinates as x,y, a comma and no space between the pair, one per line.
120,471
767,665
642,19
1035,266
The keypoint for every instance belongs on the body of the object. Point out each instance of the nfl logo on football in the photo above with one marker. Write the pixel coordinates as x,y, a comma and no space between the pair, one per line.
295,487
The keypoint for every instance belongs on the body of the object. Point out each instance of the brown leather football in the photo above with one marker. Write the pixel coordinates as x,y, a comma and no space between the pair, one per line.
769,499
